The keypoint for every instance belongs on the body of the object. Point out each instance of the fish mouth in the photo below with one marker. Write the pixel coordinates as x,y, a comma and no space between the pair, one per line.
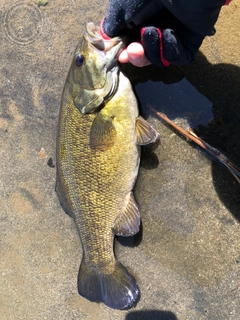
105,58
110,48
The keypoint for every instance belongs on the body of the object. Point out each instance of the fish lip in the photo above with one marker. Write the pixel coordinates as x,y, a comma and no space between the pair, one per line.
93,31
110,48
115,82
114,53
113,45
112,65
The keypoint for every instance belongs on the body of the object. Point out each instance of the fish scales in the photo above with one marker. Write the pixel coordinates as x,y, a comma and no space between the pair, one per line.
104,187
97,164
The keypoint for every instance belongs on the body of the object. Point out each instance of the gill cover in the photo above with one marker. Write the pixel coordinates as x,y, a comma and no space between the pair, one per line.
94,70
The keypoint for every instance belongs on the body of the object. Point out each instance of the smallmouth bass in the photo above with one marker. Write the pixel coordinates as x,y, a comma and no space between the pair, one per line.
98,154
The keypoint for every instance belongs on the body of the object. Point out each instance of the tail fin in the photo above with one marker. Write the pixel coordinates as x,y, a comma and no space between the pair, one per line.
118,290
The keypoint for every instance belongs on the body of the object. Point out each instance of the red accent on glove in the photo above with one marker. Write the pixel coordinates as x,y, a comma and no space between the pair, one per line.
227,2
102,33
163,60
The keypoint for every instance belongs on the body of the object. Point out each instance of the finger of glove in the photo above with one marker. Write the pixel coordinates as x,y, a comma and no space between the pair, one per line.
126,14
173,49
164,47
151,39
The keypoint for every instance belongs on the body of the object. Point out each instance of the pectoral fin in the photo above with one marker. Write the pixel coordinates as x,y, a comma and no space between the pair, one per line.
103,133
146,134
128,223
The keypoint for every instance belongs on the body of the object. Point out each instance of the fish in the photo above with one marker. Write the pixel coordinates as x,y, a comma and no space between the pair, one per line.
99,137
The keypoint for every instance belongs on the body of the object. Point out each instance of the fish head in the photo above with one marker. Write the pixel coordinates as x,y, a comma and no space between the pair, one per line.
94,70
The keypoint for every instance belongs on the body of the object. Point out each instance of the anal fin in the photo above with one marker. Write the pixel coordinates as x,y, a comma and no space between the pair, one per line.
128,223
146,134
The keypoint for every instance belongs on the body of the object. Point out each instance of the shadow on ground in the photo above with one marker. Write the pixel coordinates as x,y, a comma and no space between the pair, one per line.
219,83
151,315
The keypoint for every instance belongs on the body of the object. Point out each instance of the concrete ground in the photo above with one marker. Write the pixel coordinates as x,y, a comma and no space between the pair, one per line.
186,259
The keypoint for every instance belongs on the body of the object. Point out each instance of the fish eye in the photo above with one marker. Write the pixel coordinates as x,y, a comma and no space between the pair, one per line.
79,59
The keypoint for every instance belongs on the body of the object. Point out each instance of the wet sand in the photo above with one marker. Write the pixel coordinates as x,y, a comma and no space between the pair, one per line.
186,258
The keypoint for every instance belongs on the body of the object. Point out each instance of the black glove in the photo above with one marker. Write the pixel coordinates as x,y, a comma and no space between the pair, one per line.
171,30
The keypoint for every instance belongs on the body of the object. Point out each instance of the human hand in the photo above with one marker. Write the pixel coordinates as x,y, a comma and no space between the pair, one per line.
171,33
156,46
134,54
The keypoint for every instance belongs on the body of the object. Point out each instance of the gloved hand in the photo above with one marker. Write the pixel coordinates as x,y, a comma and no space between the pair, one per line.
171,31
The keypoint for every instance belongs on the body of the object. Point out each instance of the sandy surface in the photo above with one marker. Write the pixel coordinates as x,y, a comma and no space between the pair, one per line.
186,259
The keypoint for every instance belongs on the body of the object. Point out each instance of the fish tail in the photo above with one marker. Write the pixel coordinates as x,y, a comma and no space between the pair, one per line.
118,289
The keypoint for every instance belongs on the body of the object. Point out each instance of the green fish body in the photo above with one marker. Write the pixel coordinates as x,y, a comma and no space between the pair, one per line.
98,152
